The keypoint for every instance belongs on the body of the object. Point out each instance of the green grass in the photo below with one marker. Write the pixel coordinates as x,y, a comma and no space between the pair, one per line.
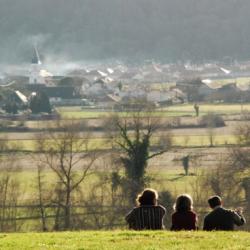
178,140
98,114
239,80
175,110
205,108
126,240
169,178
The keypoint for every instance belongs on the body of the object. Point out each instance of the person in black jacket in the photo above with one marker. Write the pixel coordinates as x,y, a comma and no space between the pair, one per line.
221,218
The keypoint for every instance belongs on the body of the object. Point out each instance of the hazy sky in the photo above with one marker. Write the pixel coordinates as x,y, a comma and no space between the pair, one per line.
134,30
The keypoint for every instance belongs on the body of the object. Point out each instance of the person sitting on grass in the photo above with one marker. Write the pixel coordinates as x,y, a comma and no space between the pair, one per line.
184,218
221,218
148,215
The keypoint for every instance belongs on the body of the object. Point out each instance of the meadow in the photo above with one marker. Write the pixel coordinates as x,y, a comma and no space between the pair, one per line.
165,172
175,110
124,240
178,141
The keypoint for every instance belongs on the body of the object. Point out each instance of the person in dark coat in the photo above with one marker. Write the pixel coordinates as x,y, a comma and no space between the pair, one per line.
148,215
220,218
184,218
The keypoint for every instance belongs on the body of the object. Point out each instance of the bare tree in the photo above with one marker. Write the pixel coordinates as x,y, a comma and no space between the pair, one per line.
211,121
9,186
242,134
67,155
41,195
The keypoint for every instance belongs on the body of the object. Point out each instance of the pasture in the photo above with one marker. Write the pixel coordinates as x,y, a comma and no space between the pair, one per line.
165,171
103,144
175,110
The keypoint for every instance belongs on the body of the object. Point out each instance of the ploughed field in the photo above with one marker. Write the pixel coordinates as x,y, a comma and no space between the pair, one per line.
124,240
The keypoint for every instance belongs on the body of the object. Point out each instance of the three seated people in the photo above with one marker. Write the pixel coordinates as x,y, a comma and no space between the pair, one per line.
149,215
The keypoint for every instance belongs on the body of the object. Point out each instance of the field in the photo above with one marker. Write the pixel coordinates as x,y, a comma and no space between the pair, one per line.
170,178
124,240
176,110
178,140
165,171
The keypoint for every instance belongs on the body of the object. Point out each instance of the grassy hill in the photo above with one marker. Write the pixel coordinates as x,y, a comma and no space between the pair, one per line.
128,240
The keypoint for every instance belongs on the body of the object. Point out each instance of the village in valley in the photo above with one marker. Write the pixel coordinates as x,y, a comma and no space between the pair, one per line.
116,86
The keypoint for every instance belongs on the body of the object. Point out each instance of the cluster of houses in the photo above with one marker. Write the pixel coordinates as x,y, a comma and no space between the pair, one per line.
115,85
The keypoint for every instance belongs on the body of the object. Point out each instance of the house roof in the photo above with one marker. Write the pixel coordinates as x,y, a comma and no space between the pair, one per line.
21,96
114,97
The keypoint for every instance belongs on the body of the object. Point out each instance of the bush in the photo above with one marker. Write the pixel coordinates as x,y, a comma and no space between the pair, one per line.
212,120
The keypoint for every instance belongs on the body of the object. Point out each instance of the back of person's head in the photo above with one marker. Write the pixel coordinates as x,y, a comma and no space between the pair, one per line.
183,203
214,201
148,197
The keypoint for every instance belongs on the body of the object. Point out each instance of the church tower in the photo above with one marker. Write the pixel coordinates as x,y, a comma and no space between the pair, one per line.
35,71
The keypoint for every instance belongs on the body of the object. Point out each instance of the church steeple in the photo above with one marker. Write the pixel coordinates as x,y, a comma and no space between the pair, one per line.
36,57
35,69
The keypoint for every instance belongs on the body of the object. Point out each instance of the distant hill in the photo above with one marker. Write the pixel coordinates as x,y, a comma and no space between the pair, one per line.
166,30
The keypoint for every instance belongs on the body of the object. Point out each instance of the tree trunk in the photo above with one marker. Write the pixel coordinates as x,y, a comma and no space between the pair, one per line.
67,209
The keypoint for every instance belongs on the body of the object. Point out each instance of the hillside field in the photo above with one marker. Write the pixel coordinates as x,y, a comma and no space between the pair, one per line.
126,240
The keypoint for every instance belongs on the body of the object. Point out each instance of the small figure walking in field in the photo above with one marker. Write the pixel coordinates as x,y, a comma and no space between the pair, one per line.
148,215
184,218
196,108
185,164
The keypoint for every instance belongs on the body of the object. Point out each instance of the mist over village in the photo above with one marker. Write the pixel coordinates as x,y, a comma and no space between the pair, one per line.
124,124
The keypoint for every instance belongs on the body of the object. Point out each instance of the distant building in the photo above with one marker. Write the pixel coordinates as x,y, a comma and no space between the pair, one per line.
38,75
21,97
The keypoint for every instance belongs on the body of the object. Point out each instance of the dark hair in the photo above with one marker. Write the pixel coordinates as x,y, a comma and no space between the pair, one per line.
183,203
214,201
147,198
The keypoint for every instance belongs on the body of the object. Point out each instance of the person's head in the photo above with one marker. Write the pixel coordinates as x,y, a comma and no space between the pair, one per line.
214,201
183,203
147,198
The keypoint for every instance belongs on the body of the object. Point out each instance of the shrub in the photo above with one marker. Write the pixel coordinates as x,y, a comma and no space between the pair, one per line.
212,120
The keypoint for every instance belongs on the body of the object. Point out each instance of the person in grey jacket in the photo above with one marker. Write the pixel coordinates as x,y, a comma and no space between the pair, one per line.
220,218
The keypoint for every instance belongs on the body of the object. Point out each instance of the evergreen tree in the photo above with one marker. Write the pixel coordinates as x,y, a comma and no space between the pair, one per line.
40,103
11,107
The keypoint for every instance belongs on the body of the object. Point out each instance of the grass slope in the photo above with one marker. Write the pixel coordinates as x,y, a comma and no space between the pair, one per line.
129,240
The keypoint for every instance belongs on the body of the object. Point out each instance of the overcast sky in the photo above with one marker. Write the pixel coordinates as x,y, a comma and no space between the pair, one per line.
166,30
